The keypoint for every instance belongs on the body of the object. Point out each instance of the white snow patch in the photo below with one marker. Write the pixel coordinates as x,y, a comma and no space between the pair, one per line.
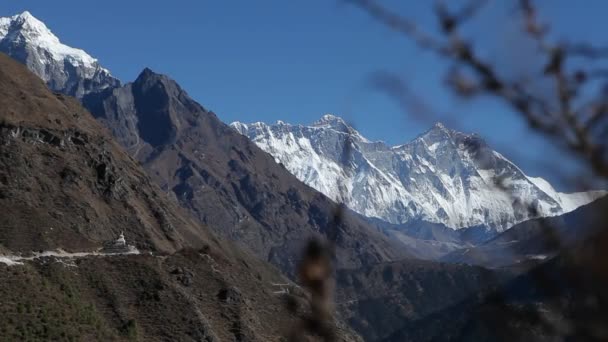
433,147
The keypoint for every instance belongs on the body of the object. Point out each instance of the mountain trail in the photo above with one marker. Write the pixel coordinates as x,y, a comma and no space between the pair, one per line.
12,260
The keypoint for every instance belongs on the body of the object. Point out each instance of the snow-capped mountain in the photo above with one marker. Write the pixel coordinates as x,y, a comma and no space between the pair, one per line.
442,176
64,69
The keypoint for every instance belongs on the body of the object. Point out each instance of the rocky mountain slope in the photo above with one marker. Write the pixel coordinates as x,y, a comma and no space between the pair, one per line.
563,299
65,181
65,184
442,176
534,241
380,300
432,241
228,182
65,69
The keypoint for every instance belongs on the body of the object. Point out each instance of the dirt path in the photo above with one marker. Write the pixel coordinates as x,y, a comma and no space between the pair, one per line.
12,260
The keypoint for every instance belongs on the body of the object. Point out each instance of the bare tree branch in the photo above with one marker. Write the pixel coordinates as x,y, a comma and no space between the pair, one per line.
399,24
562,123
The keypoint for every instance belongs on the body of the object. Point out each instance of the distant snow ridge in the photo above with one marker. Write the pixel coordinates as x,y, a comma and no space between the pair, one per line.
65,69
442,176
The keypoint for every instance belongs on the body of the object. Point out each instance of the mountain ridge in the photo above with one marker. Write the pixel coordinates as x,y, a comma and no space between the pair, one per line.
441,176
226,181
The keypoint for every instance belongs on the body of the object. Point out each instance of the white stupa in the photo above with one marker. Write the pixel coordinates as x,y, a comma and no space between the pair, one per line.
121,240
119,246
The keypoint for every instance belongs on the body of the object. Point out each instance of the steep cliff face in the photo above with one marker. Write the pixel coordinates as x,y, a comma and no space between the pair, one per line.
63,68
442,176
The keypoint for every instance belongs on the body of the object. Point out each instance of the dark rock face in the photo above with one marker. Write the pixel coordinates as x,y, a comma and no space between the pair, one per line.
225,180
152,104
123,107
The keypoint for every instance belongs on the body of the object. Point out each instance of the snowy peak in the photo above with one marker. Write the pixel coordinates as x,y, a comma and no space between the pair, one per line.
437,133
442,176
65,69
440,133
332,121
28,29
336,123
438,128
24,22
439,125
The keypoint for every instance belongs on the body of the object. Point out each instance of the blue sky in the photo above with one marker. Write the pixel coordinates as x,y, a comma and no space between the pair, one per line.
297,60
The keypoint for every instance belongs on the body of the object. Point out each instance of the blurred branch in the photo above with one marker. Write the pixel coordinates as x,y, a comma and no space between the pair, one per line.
399,24
562,122
408,100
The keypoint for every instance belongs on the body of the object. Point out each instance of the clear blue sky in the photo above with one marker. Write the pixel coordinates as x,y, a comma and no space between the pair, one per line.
297,60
